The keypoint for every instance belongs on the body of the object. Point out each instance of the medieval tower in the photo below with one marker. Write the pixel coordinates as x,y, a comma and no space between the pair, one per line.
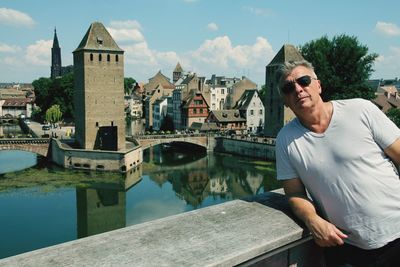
276,114
99,91
177,73
55,69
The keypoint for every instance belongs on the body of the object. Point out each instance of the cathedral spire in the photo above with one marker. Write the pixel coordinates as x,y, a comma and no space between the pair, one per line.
55,57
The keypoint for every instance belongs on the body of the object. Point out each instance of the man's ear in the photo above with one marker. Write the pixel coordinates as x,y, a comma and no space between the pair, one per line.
319,87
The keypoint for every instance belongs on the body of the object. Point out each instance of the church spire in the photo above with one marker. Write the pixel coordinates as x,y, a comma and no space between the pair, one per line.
55,57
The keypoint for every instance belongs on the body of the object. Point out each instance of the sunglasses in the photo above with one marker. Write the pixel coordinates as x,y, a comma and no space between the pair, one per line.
289,86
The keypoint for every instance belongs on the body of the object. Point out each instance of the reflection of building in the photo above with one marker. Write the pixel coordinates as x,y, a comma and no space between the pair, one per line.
102,208
99,210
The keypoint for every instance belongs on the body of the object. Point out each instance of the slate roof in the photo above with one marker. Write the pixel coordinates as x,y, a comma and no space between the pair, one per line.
245,100
178,68
387,101
227,115
204,127
287,53
98,38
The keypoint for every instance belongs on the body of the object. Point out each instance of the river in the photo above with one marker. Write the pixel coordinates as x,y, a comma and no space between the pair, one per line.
42,204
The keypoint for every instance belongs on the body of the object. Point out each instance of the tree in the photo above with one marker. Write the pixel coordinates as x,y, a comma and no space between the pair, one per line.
50,92
394,115
53,114
129,83
343,65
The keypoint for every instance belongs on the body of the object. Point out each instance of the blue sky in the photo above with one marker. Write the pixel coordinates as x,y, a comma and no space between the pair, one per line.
223,37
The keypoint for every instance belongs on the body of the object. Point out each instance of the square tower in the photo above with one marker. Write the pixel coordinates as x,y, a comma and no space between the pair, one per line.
99,91
276,114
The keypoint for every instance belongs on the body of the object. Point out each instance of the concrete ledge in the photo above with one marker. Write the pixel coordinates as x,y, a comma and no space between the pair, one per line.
228,234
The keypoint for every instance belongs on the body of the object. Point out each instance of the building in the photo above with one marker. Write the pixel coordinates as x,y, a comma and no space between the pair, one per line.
251,107
133,106
276,114
236,90
55,69
194,109
177,73
159,112
227,120
99,91
16,107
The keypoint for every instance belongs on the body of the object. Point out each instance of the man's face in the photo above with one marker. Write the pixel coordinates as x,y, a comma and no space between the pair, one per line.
302,91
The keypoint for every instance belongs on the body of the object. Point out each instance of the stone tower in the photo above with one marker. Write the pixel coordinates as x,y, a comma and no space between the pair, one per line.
99,91
276,114
55,69
177,73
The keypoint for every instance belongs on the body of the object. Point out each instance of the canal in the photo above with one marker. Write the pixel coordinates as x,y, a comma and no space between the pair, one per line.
42,204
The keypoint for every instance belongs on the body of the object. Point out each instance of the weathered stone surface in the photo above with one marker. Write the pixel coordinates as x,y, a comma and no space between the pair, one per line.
221,235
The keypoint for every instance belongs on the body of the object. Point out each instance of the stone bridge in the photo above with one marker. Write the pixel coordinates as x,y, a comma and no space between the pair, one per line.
203,140
35,145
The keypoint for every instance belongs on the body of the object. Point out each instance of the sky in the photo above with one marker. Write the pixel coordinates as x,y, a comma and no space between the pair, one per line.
231,38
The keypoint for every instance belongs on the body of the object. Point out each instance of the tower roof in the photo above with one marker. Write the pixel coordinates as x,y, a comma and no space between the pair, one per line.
98,38
287,53
178,68
55,40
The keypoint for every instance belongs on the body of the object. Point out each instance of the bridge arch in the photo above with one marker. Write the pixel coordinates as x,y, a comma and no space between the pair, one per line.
37,146
148,141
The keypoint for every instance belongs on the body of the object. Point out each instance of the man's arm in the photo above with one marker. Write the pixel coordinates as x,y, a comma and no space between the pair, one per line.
325,234
393,151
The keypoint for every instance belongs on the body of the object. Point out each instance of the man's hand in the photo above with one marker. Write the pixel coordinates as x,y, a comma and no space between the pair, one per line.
325,234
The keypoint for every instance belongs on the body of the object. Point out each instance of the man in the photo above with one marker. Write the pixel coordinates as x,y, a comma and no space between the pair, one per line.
337,161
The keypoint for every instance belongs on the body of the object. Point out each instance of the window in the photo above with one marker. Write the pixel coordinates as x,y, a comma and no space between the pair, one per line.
91,57
99,57
261,112
251,112
194,111
108,57
198,102
201,111
116,58
222,91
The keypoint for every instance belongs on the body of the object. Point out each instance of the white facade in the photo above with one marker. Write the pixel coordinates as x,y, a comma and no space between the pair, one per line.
255,114
159,113
218,96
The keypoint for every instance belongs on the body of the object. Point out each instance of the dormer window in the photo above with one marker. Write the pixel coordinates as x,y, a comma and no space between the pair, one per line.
99,41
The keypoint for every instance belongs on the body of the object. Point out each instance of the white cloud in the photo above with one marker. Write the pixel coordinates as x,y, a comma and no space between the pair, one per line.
5,48
258,11
212,26
387,28
13,17
39,53
126,30
388,65
122,24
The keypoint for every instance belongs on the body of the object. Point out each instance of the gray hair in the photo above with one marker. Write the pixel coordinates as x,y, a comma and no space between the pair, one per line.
286,69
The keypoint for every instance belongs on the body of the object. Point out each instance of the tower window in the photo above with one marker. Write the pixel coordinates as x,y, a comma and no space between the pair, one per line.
91,57
108,57
97,124
99,57
99,40
116,58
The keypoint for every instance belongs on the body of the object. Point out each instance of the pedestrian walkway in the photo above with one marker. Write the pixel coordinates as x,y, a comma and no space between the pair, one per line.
63,132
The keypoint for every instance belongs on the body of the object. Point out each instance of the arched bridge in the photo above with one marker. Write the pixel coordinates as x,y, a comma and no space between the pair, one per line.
203,140
35,145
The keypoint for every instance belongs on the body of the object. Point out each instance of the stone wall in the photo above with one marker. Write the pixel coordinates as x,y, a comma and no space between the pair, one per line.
246,147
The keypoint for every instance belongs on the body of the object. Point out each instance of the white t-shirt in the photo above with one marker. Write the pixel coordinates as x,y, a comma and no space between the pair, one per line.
346,172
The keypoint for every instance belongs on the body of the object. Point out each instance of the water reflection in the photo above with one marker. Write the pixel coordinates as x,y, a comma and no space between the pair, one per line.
77,204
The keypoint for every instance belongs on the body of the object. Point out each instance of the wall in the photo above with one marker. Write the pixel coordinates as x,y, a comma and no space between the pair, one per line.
252,147
95,159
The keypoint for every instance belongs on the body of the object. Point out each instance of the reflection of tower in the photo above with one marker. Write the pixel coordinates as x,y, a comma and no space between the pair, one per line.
99,210
55,58
99,91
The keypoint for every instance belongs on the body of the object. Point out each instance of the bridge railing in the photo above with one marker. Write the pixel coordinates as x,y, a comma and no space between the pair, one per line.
168,136
15,141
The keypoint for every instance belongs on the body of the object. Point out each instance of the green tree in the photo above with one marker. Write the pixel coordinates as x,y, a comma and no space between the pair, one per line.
50,92
394,115
129,84
343,65
53,114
